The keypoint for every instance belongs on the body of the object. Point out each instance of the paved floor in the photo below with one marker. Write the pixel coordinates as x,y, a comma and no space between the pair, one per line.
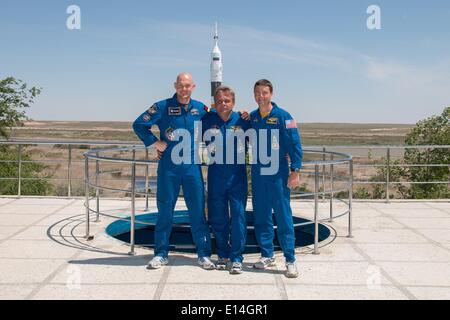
399,250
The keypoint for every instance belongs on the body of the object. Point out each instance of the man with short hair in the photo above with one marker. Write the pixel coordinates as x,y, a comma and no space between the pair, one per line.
227,179
273,191
178,112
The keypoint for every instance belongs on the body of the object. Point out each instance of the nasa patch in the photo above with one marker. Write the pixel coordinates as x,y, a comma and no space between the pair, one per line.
170,134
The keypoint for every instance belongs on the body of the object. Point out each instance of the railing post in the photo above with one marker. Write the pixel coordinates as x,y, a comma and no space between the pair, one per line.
69,174
350,201
86,192
323,174
388,172
97,189
133,204
316,209
332,187
19,182
146,180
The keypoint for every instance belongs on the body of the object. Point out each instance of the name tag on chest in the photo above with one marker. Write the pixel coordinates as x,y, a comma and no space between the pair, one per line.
174,111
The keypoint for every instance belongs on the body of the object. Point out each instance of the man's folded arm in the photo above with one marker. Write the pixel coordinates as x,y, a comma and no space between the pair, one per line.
143,124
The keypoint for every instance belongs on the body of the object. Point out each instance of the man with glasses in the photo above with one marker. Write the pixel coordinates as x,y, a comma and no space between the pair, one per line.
178,112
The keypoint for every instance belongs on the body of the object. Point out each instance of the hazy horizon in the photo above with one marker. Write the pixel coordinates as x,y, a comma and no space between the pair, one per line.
367,123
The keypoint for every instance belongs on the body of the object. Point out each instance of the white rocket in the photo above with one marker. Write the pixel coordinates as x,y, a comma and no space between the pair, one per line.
216,66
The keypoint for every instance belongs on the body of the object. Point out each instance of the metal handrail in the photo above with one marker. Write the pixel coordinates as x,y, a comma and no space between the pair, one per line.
388,165
318,170
91,182
127,144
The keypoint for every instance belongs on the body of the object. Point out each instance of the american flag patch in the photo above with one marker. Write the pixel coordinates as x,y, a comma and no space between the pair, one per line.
290,124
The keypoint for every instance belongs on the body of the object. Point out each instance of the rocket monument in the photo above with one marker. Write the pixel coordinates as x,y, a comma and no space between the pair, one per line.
216,66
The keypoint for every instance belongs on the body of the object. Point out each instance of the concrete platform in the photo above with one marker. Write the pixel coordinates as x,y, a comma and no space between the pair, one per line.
399,250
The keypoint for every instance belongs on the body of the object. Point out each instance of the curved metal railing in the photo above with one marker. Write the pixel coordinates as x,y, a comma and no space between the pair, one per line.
314,167
384,159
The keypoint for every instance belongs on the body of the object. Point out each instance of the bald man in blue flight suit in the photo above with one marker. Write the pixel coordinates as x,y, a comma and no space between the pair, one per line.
178,112
227,179
272,190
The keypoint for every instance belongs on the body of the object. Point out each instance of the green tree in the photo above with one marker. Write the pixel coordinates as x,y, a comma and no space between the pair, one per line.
431,131
15,98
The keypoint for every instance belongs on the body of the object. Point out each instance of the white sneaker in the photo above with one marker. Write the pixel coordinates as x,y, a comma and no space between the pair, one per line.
222,264
291,270
236,268
264,263
157,262
206,263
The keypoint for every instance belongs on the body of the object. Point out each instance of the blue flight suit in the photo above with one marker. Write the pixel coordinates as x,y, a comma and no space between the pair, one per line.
170,115
227,186
271,191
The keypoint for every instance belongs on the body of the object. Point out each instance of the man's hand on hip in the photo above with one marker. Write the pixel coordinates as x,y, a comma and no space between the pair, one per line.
293,180
160,147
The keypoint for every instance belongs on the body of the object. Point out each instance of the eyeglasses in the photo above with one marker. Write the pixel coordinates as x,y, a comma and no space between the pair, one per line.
186,86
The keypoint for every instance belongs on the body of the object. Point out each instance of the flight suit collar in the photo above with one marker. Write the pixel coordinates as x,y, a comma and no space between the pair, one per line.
230,118
274,109
272,112
176,103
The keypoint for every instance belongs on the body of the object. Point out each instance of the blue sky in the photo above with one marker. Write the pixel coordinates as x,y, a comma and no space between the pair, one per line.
325,64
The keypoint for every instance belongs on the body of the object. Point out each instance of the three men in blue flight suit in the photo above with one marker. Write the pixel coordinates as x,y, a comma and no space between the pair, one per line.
227,179
272,191
172,116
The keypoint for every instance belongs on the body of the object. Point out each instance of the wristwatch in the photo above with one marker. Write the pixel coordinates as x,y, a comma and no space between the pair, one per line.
295,170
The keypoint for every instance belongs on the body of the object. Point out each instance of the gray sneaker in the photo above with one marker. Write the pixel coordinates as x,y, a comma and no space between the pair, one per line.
157,262
236,268
222,264
291,270
264,262
206,263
